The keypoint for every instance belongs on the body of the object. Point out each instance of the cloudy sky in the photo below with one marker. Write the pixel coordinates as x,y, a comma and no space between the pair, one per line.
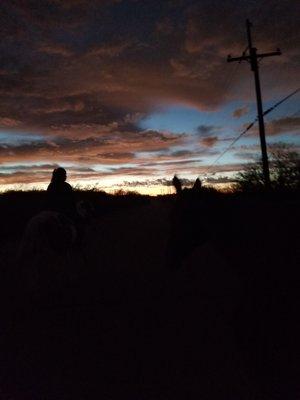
125,93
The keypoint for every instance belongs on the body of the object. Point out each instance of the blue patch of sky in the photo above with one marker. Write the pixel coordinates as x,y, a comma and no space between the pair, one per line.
102,168
121,165
146,154
25,163
286,109
15,138
178,118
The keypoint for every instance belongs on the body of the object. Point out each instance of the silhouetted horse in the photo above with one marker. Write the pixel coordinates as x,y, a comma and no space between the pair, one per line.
52,237
46,247
177,184
53,245
187,222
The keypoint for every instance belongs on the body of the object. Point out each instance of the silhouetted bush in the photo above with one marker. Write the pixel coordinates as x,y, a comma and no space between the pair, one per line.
284,172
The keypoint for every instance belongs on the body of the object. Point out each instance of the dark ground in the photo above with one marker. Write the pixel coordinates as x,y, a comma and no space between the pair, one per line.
125,326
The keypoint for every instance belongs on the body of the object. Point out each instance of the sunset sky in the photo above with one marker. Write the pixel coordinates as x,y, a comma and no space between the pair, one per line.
126,93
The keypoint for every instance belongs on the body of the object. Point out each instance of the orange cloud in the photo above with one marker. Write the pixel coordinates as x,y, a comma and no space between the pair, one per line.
9,122
209,141
239,112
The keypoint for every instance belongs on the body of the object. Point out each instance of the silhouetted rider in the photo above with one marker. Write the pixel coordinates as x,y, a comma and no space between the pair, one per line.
60,193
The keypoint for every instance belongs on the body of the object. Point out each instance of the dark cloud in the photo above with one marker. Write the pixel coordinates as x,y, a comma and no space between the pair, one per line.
223,168
207,130
221,180
48,60
55,49
156,182
82,74
117,156
182,153
37,168
284,125
172,163
248,156
22,177
113,147
239,112
24,167
39,176
132,171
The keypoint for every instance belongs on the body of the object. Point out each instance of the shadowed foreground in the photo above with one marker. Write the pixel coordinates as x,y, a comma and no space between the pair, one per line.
121,325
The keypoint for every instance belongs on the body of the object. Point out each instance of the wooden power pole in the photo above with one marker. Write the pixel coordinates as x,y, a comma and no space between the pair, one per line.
252,57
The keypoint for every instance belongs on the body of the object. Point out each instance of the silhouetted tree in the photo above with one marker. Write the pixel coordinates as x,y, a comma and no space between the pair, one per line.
286,169
284,172
251,179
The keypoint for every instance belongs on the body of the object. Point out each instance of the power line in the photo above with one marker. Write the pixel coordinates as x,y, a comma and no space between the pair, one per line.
277,104
230,77
251,125
231,144
296,114
281,101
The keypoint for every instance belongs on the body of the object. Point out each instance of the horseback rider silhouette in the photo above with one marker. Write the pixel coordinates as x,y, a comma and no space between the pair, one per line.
60,194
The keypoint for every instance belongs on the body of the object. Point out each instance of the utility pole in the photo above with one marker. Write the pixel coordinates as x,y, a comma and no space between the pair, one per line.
253,57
